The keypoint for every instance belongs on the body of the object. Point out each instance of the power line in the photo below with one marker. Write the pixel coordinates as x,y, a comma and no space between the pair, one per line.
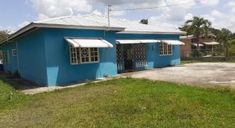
149,8
109,9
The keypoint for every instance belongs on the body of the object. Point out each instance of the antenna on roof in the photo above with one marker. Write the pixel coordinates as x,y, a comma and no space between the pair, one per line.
109,10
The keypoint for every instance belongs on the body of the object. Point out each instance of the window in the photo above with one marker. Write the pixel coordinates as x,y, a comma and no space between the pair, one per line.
94,54
13,52
5,57
83,55
74,55
165,49
1,57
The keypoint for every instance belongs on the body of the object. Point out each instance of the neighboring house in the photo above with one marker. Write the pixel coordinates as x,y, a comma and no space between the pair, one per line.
187,48
207,45
73,49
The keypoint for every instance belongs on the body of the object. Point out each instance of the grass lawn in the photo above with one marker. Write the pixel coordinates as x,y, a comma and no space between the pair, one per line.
130,103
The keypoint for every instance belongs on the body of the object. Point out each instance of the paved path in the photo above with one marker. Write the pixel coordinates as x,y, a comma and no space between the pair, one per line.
222,74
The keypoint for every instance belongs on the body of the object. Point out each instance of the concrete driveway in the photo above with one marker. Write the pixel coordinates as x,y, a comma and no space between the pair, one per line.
222,74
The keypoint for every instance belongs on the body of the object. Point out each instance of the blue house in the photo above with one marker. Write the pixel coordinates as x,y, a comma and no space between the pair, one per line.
73,49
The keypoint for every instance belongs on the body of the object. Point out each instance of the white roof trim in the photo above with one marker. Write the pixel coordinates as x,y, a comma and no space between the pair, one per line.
135,41
173,42
149,32
186,37
89,42
200,45
40,25
211,43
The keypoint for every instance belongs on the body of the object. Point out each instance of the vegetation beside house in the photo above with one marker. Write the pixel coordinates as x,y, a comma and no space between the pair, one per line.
121,103
197,27
3,35
232,47
200,27
9,97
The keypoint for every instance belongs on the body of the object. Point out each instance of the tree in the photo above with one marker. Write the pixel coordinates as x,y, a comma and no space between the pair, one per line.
225,37
197,27
3,35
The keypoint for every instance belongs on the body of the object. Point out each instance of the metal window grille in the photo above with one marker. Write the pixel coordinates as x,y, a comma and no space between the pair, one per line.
165,49
5,57
83,55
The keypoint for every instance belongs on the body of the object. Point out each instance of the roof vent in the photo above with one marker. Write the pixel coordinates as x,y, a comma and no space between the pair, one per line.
144,21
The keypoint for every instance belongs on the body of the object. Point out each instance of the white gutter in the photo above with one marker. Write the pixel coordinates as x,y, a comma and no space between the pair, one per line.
40,25
150,32
121,29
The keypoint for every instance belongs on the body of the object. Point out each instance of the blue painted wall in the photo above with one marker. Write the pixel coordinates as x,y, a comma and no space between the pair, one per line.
59,69
153,50
31,52
11,66
31,63
44,56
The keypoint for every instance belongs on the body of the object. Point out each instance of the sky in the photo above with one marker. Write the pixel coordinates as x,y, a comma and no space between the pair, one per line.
15,14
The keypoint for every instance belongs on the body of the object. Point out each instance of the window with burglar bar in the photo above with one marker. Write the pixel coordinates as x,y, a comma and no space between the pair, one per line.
83,55
165,49
5,57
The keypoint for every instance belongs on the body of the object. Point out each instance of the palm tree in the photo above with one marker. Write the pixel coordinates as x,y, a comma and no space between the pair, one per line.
224,37
198,27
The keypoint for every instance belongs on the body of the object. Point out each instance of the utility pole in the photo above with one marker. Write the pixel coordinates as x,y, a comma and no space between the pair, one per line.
109,10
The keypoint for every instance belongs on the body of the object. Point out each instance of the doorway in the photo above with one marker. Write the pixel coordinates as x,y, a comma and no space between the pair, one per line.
131,57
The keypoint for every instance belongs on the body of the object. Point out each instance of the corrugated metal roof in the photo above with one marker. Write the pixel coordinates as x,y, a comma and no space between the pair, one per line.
97,22
102,21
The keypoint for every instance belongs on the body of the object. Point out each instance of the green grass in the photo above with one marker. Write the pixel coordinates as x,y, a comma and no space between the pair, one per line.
232,48
9,97
123,103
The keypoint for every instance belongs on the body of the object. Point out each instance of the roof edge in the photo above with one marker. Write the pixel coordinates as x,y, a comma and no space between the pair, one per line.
151,32
44,25
41,25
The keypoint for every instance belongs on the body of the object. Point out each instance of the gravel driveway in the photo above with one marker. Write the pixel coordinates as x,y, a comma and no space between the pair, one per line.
196,73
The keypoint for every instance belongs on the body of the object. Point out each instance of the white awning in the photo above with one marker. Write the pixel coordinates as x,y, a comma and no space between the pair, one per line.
173,42
200,45
89,42
211,43
136,41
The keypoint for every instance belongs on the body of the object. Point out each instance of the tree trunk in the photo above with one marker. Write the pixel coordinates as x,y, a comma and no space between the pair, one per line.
198,47
226,51
226,48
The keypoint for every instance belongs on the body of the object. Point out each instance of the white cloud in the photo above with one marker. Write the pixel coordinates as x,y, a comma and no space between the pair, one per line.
188,16
42,16
231,5
209,2
23,24
221,20
55,8
217,14
172,13
96,12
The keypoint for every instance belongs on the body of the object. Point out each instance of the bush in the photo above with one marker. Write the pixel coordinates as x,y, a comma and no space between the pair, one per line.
196,53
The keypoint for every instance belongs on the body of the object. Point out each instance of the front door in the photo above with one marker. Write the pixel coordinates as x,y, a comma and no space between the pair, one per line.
131,57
